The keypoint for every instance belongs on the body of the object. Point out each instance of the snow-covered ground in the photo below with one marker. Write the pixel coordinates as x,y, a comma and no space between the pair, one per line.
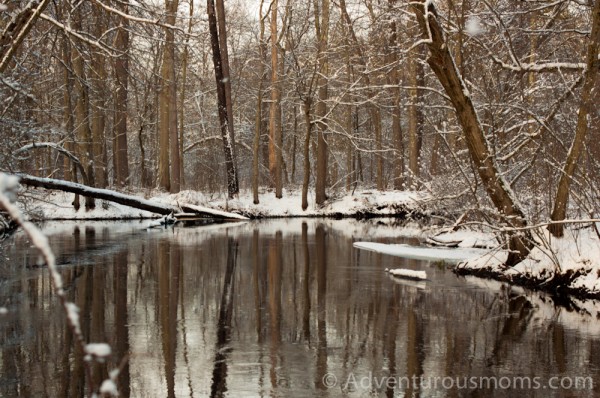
57,205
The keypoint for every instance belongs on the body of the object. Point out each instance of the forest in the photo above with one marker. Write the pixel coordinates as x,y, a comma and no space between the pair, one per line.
486,106
475,120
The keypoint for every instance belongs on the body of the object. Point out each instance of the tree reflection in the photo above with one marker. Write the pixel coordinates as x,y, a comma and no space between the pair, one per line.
222,349
269,310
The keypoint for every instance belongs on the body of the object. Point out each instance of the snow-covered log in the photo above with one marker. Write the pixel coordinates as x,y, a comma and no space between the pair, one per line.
127,200
215,213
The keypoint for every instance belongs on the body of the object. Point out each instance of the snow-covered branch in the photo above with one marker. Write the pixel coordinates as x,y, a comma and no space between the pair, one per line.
10,183
96,43
133,18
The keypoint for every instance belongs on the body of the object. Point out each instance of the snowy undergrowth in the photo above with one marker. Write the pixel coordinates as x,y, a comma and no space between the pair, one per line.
366,202
57,205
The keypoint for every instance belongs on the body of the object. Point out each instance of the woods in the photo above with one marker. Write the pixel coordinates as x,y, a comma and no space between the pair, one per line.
472,126
487,106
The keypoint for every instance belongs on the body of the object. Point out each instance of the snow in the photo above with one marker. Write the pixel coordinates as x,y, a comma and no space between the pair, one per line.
361,202
465,239
162,222
57,205
9,185
223,214
3,311
109,387
473,26
407,273
575,256
3,7
73,315
99,350
423,253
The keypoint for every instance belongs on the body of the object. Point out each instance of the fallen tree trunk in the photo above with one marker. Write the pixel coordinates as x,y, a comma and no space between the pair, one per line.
127,200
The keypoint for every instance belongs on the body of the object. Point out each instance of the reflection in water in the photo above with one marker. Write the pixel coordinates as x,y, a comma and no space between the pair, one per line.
219,375
272,309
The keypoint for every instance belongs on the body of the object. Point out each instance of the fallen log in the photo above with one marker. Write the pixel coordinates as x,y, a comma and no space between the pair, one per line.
127,200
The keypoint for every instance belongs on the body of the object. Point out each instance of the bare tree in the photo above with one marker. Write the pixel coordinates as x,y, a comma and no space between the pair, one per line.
583,120
322,31
442,63
228,139
121,66
275,133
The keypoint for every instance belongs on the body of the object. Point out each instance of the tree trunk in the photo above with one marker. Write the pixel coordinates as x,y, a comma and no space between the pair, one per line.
167,180
259,99
121,157
394,81
222,29
127,200
583,119
171,93
228,143
374,111
98,106
306,152
275,137
442,63
67,107
415,118
322,28
83,133
184,68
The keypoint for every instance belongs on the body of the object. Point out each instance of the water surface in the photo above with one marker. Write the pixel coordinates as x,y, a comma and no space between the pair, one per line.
284,308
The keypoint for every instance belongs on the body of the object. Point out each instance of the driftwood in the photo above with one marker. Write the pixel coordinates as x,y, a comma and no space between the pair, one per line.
127,200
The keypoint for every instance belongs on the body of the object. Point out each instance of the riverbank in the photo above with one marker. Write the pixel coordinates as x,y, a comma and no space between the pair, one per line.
569,265
45,205
561,266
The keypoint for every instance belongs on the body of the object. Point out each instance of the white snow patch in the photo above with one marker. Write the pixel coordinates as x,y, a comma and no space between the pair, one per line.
407,273
465,239
109,387
100,350
473,26
73,315
162,222
423,253
3,311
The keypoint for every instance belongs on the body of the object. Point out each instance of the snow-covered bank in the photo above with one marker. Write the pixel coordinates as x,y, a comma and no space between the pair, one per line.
57,205
568,265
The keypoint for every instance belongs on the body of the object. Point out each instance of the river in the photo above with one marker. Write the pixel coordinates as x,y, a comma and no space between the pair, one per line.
280,308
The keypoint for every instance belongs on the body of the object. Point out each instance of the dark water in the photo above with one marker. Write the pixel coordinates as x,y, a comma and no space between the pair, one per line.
280,309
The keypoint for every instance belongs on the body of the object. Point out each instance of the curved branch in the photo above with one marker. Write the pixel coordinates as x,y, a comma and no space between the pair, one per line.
74,159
